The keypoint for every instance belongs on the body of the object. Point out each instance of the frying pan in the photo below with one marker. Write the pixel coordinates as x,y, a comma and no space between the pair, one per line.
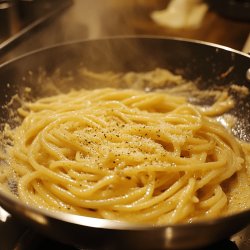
208,65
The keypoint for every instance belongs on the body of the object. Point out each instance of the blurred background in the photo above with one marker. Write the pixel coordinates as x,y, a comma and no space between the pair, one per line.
27,25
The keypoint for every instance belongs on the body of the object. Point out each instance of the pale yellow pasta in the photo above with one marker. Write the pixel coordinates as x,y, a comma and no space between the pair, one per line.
126,155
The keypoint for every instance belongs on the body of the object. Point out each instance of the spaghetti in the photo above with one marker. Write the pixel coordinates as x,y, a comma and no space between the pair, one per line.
124,154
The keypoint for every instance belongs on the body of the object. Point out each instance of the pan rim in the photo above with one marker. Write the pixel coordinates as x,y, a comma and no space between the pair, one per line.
111,224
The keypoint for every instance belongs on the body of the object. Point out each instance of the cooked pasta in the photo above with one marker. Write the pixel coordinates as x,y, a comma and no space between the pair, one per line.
124,154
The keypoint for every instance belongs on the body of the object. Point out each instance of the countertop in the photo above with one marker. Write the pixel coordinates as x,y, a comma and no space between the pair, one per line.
90,19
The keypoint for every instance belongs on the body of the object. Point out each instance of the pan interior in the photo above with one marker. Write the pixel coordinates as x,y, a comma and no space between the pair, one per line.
58,69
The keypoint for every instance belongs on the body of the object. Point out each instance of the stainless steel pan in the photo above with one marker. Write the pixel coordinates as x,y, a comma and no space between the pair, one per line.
209,65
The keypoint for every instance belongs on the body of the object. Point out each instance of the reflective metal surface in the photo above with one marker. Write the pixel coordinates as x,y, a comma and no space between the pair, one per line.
191,59
33,241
